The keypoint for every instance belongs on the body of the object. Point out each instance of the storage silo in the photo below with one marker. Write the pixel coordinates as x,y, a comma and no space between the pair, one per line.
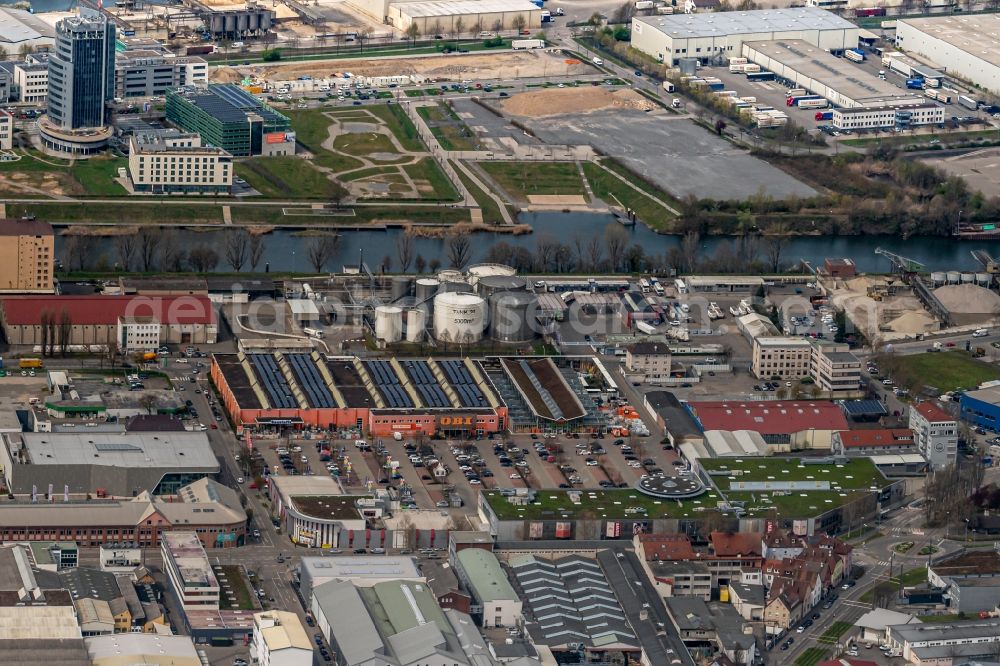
451,275
479,271
491,284
448,286
242,23
266,18
459,317
954,277
389,323
983,279
426,288
416,323
230,23
968,278
400,286
938,278
512,316
217,24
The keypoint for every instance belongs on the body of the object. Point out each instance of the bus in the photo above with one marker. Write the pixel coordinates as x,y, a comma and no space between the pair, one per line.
658,288
313,332
644,285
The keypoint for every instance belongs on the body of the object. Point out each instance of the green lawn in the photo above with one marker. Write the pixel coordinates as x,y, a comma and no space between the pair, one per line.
857,473
431,215
811,657
90,177
490,208
834,632
427,169
614,192
151,212
286,177
597,504
359,144
909,579
946,371
399,124
793,505
233,576
943,138
370,171
312,128
523,179
938,619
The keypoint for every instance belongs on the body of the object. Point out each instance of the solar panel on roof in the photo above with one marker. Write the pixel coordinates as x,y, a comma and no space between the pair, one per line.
116,446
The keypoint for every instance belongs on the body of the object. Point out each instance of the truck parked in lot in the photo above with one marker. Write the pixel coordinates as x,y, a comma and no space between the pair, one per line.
968,102
856,55
26,363
644,4
796,100
915,84
824,115
519,44
813,104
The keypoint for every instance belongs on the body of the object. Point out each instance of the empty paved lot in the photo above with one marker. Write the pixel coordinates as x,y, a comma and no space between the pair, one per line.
678,155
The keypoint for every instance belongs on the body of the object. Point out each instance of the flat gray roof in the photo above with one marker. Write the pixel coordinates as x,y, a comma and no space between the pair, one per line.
840,74
362,566
178,450
687,26
976,34
961,630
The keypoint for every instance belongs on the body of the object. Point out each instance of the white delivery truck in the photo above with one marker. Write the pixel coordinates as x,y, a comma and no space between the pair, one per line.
669,87
519,44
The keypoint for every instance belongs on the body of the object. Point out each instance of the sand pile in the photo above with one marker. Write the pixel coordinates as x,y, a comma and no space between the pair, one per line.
559,101
968,299
912,323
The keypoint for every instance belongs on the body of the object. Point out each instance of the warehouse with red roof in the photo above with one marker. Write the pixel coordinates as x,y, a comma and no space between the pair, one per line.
795,424
133,323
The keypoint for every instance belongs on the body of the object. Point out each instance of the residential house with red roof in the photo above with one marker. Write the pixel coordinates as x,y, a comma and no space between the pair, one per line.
133,323
935,432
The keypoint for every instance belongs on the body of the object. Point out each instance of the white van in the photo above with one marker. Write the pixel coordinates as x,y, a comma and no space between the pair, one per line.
981,333
597,61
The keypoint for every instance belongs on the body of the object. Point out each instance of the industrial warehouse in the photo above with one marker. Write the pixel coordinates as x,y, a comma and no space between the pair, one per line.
714,37
966,46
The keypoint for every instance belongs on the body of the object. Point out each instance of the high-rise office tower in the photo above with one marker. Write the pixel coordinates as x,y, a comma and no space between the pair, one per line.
81,72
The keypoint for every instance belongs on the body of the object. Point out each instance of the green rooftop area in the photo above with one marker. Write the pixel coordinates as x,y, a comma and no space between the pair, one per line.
854,474
598,504
792,504
233,591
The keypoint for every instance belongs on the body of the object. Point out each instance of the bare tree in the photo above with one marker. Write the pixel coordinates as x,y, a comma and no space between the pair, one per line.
595,253
126,245
65,331
404,251
615,240
546,250
419,264
237,248
147,248
43,320
436,28
458,248
412,32
519,23
148,402
203,259
321,250
256,250
689,249
458,27
171,251
774,245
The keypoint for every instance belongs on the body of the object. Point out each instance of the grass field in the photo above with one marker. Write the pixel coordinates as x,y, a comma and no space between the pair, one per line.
364,144
793,505
834,632
399,124
152,212
943,138
597,504
614,192
370,171
312,128
91,177
286,177
427,169
490,208
522,179
946,371
811,657
855,474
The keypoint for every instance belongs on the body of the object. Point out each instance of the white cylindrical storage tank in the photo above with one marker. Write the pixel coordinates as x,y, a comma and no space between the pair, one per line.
416,322
459,317
968,278
488,285
983,279
954,277
938,278
451,275
426,288
389,323
478,271
455,287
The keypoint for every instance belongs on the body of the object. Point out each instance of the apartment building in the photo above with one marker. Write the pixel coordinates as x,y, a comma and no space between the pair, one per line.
784,358
27,254
279,639
935,432
164,162
650,359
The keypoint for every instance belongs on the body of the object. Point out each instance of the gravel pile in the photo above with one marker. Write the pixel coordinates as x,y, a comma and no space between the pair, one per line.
968,299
